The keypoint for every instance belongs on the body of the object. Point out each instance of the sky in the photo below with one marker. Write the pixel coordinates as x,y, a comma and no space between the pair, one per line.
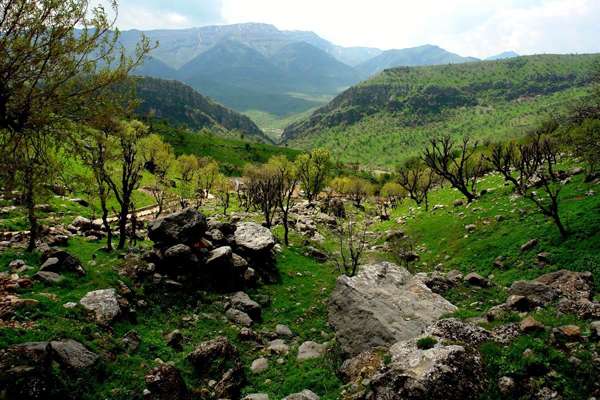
476,28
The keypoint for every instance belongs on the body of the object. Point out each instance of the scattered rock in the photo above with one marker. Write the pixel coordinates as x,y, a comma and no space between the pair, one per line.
567,333
529,325
73,355
529,245
278,346
455,330
238,317
58,261
363,366
595,329
382,304
259,365
186,227
310,350
175,340
303,395
254,237
256,396
470,228
131,340
506,385
477,280
213,353
51,278
317,254
165,383
283,330
221,255
243,302
103,303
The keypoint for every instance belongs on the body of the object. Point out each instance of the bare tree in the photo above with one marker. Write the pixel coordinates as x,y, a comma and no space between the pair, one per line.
417,180
455,163
352,240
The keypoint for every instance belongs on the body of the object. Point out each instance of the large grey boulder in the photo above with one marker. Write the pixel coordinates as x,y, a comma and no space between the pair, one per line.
254,237
73,355
185,227
243,302
443,372
25,371
103,303
381,305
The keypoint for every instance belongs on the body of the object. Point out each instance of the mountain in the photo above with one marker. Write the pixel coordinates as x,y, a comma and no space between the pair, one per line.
503,56
181,105
387,118
411,57
155,68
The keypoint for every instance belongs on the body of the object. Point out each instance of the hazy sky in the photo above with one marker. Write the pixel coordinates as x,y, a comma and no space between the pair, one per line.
469,27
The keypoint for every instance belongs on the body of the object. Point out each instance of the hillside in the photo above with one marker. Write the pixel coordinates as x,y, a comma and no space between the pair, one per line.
179,104
394,113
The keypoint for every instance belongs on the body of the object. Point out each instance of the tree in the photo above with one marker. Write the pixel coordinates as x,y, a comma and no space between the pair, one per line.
207,175
355,188
56,54
262,189
313,169
393,193
159,161
352,241
454,163
417,180
585,142
287,181
187,166
126,174
223,187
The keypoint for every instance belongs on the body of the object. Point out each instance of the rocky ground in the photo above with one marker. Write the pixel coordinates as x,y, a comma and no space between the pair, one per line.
490,304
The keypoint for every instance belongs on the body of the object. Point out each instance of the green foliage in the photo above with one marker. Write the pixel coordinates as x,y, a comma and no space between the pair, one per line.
426,343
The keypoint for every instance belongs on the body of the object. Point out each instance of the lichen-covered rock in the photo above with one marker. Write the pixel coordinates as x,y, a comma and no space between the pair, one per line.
25,371
310,350
303,395
73,355
238,317
213,354
185,227
243,302
381,305
104,304
230,384
442,372
254,237
165,383
58,261
455,330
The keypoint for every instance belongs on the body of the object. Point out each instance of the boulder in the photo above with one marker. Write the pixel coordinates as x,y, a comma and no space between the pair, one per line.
537,293
165,383
58,261
336,208
259,365
73,355
283,331
456,330
530,324
243,302
82,223
230,384
254,237
381,305
318,255
571,285
219,256
214,353
443,372
310,350
238,317
363,366
48,277
278,346
25,371
104,304
477,280
303,395
187,227
529,245
174,340
256,396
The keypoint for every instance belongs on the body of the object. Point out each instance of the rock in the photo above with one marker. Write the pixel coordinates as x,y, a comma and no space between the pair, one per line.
278,346
230,384
437,282
243,302
283,331
25,371
248,334
381,305
16,265
175,340
303,395
215,236
363,366
569,284
455,276
254,237
214,353
250,277
537,293
520,303
470,228
81,202
544,257
455,330
180,254
259,365
318,255
219,256
443,372
186,227
103,303
567,333
73,355
50,265
61,262
310,350
595,329
529,325
529,245
165,383
48,277
506,385
458,203
239,262
256,396
477,280
336,208
131,340
82,223
238,317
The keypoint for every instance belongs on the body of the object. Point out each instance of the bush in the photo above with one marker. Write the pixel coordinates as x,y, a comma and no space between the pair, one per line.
426,343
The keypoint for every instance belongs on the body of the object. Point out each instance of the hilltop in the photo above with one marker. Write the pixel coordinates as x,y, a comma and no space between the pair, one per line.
401,108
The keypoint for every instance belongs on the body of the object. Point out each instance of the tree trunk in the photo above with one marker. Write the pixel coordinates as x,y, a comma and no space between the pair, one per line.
106,223
30,203
286,229
123,223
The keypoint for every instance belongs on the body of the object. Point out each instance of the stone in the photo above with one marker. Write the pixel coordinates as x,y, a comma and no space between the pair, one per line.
477,280
254,237
318,255
61,262
278,346
572,285
243,302
259,365
595,329
363,366
450,372
103,303
82,223
568,333
256,396
181,254
16,265
239,262
283,331
238,317
221,255
230,384
48,277
81,202
131,340
213,353
520,303
166,383
310,350
175,340
336,208
73,355
437,282
185,227
529,245
537,293
530,325
303,395
456,330
470,228
381,305
458,203
506,385
544,257
25,371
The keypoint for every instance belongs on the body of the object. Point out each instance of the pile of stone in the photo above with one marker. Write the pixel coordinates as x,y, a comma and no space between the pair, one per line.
87,228
191,251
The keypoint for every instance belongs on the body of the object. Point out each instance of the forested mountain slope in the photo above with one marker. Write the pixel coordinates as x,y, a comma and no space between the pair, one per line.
394,112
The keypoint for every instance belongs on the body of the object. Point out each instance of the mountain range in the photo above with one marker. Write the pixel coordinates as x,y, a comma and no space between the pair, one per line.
257,67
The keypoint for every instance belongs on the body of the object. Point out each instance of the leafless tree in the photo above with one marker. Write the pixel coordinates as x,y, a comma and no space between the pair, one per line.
352,240
417,180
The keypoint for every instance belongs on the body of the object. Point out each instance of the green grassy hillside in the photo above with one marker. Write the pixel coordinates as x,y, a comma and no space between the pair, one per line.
387,118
